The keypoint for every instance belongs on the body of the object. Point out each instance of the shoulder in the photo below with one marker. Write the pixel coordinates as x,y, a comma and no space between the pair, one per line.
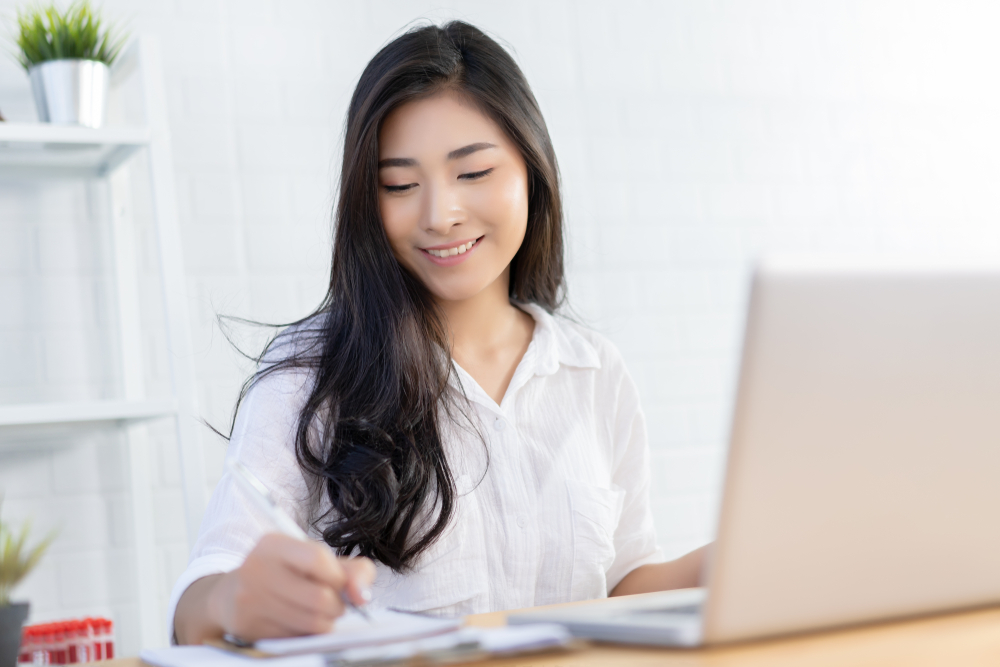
593,384
606,352
286,369
613,381
579,357
576,345
273,398
300,340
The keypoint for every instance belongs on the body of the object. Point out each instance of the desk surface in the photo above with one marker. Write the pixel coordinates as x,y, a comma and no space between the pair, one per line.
968,639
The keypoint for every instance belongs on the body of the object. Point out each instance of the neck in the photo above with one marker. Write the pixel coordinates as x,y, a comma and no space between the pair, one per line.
483,321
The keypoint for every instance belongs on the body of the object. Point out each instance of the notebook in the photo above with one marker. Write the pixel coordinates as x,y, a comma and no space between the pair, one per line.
353,630
392,638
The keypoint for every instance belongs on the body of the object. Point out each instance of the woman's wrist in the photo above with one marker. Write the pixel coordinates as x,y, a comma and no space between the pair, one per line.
216,605
684,572
199,611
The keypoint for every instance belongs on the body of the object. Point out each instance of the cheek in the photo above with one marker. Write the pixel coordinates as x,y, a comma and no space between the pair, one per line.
507,206
397,220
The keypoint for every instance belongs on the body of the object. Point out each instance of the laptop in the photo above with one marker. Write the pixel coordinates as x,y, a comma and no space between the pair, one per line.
863,476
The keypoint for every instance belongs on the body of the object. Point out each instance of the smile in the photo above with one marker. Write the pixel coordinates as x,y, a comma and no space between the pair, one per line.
451,255
460,249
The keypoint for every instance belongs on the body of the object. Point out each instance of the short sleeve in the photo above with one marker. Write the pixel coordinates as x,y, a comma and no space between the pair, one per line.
263,440
635,536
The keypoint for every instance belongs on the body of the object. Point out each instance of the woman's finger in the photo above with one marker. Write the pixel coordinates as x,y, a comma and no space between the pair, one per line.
279,619
314,561
297,621
306,594
286,582
360,573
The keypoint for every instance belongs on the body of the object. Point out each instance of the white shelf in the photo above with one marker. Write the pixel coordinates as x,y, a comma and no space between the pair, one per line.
84,412
35,426
33,133
110,158
45,149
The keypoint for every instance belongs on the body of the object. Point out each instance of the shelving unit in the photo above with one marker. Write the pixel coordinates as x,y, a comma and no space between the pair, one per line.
136,140
28,426
68,150
98,413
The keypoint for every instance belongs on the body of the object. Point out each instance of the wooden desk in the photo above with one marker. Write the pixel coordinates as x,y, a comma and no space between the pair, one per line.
969,639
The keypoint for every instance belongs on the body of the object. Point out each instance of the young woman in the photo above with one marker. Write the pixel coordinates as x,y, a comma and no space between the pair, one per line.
450,444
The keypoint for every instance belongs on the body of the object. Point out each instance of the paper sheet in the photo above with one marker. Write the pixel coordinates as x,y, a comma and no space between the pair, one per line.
208,656
353,630
465,644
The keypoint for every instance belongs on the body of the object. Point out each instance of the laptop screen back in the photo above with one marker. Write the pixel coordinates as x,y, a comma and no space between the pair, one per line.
863,479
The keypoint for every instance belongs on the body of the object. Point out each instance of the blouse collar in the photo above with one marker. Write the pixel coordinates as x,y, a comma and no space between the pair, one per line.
554,343
557,342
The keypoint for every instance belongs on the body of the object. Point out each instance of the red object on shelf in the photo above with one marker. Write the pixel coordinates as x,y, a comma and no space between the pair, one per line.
109,639
27,651
49,641
93,647
61,645
72,648
97,646
67,642
79,643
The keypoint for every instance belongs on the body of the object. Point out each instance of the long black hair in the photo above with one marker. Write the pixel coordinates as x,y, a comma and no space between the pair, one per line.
377,347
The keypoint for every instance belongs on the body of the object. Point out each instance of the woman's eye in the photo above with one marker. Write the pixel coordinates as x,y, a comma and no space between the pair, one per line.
476,174
399,188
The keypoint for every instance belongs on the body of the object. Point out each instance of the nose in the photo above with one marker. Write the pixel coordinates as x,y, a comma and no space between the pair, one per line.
443,208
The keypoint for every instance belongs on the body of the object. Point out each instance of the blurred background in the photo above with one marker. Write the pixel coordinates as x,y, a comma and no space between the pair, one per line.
692,137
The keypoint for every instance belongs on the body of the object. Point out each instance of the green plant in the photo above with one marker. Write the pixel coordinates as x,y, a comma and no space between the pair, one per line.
16,560
45,33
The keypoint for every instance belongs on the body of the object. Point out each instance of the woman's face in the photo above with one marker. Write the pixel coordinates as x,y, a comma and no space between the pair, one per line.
453,192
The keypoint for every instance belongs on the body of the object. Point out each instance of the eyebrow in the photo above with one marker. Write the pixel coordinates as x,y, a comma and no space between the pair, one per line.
469,150
454,155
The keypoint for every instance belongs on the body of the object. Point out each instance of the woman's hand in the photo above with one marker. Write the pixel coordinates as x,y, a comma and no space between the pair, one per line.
685,572
284,588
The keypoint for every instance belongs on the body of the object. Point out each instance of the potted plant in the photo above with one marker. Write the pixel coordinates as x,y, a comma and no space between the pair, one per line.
67,55
16,561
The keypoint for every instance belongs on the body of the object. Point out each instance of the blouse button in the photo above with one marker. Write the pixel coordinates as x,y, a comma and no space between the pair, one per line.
522,521
499,424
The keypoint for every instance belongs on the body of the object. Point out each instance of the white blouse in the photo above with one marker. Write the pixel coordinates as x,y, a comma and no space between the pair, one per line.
560,513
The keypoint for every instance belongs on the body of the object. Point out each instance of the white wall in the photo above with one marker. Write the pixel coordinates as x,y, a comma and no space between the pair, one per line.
692,136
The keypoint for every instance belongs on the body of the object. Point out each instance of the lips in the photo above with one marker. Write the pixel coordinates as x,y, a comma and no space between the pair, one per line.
454,250
450,255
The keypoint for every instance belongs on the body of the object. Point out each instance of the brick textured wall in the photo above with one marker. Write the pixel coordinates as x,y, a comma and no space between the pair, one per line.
692,137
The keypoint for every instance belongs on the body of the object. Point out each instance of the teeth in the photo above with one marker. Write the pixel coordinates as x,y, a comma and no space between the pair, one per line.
457,250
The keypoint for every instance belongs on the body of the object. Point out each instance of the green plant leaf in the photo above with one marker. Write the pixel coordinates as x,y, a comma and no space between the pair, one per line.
46,33
16,562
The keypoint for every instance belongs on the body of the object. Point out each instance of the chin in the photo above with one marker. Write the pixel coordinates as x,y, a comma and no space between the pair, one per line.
453,293
459,288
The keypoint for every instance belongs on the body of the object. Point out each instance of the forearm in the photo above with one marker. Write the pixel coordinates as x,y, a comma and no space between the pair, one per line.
685,572
193,619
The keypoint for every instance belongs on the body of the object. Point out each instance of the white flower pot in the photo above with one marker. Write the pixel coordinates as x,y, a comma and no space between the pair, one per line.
71,92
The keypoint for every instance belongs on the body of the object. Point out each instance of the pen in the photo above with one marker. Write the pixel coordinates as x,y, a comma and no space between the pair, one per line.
258,493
